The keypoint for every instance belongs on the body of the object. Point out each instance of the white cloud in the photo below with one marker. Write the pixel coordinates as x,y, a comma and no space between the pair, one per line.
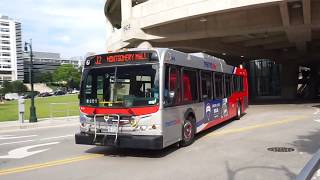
64,39
72,27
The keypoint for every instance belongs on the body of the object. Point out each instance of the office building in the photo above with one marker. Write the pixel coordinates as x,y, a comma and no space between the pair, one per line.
45,62
11,54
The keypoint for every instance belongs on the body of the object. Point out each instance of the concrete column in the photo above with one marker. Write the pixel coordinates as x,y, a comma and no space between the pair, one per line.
126,7
289,80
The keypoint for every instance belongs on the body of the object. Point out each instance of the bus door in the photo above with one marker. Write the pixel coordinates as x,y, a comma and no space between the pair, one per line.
171,114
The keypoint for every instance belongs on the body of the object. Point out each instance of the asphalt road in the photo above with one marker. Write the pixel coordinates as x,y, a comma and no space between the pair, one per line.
235,150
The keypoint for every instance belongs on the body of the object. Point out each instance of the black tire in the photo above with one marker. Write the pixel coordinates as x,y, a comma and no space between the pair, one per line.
239,111
188,132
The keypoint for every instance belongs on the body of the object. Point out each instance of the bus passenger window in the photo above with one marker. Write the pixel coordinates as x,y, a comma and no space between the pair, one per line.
206,86
218,80
228,85
190,91
235,83
241,83
172,86
232,84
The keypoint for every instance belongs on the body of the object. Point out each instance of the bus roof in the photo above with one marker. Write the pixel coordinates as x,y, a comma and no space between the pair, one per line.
198,60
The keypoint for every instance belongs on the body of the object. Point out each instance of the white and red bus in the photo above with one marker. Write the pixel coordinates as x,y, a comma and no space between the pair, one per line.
153,98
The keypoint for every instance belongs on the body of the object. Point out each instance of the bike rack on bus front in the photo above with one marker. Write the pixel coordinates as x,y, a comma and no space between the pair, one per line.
106,120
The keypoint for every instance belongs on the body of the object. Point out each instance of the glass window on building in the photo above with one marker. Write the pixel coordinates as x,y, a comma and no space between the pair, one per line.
5,54
5,48
4,30
4,23
264,77
7,78
5,36
5,42
6,66
5,60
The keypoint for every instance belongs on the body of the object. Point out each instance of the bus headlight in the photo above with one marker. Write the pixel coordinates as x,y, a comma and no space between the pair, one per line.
133,123
85,127
84,123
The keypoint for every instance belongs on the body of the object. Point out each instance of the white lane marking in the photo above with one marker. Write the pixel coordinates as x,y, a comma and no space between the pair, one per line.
16,142
23,152
317,111
6,137
57,137
43,139
317,120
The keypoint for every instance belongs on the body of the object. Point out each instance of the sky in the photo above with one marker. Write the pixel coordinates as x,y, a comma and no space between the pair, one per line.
69,27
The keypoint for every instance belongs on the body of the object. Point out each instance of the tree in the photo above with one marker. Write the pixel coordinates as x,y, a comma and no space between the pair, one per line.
68,75
6,87
18,87
46,77
13,87
39,77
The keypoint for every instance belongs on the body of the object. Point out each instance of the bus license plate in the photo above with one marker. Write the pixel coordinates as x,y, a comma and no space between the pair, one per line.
111,128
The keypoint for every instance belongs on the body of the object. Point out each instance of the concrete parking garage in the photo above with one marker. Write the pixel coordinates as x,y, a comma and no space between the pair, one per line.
281,37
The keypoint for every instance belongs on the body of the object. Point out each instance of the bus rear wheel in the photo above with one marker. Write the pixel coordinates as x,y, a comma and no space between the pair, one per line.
188,132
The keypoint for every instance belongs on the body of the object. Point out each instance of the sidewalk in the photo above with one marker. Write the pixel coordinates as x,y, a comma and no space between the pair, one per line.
42,123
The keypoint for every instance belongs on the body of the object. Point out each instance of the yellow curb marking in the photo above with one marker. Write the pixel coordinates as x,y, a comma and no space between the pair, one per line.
48,164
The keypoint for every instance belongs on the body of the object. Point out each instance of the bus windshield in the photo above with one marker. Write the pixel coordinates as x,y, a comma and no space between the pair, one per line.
120,86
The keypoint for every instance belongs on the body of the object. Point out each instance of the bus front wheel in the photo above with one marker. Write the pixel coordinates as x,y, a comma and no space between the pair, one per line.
188,132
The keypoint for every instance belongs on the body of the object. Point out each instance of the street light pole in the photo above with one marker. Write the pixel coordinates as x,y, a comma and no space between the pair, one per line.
33,115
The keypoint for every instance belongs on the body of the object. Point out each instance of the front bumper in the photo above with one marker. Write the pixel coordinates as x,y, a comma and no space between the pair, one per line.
123,141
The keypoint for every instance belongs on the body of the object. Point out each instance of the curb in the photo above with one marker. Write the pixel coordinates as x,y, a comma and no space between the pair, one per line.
42,123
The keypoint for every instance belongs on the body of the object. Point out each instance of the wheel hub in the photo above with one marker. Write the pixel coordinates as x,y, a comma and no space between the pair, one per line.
188,131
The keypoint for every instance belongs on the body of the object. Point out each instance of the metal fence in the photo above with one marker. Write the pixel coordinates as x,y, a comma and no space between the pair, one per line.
63,109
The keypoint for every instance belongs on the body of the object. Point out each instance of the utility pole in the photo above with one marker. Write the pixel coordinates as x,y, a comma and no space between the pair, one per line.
33,115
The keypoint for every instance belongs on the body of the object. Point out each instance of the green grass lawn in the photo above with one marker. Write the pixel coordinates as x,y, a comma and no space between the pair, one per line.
44,108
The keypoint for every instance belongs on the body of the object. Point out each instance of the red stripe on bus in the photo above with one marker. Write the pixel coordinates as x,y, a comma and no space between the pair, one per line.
129,111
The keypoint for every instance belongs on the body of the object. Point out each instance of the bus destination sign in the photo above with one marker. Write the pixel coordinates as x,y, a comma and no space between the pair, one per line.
127,57
119,58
